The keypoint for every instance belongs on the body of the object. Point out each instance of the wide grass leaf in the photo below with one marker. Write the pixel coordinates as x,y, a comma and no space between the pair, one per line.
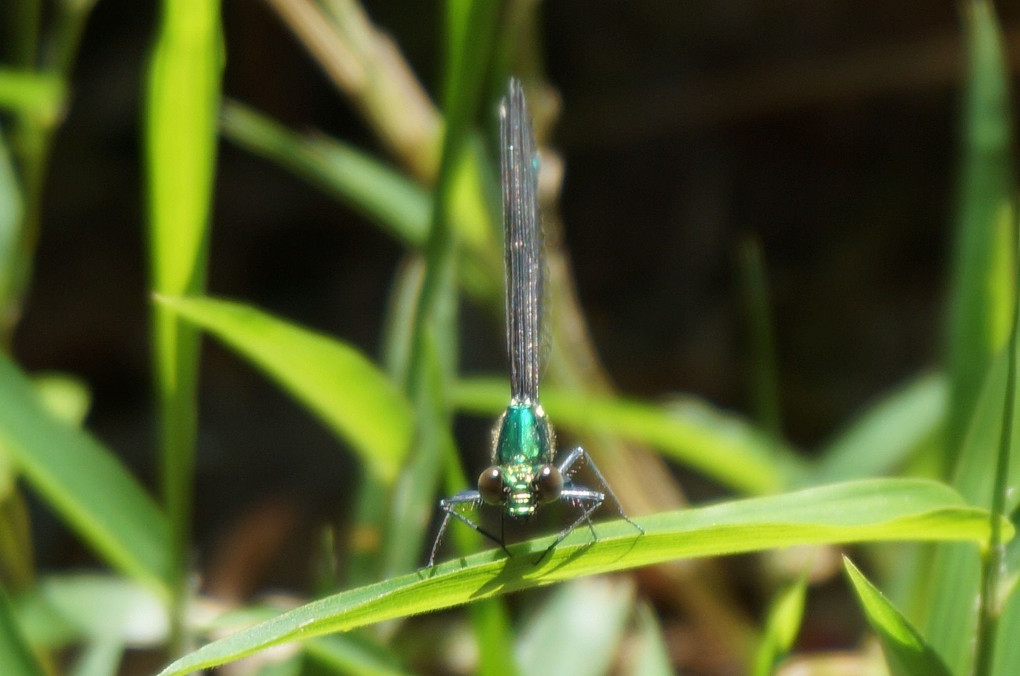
722,446
872,510
906,652
84,483
333,380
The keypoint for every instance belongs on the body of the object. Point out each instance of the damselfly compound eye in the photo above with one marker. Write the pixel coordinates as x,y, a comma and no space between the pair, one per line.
490,486
548,483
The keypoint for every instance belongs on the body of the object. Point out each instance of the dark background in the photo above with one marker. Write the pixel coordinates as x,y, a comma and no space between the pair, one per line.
826,128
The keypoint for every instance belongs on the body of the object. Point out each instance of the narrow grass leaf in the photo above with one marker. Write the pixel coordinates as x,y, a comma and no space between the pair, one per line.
468,37
16,657
781,626
981,291
578,628
906,652
764,372
956,570
871,510
84,483
722,446
182,101
885,435
332,379
374,190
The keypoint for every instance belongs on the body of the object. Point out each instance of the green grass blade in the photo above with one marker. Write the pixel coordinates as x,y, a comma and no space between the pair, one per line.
469,29
955,573
375,190
871,510
781,626
578,628
764,371
183,98
885,435
906,652
720,445
333,380
981,292
16,658
84,483
35,95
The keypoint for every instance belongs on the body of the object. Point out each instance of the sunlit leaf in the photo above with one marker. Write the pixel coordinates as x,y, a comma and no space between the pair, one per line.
332,379
905,649
84,483
872,510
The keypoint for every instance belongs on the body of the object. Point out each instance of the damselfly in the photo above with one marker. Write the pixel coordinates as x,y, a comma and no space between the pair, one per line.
523,475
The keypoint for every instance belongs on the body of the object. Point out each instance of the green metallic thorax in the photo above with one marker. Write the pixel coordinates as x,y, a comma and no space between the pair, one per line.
523,443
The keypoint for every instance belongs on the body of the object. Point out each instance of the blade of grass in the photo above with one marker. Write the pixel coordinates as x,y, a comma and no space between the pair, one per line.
722,446
954,582
16,658
469,27
578,628
870,510
183,98
764,370
781,626
360,181
994,556
981,290
888,431
345,390
906,652
84,483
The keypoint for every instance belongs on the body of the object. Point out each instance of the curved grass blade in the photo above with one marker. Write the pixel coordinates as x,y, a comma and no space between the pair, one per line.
375,190
886,433
333,380
906,652
84,483
872,510
781,626
722,446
